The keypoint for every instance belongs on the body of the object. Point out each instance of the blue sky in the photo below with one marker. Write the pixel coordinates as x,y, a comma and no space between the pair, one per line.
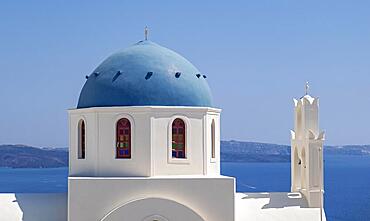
257,56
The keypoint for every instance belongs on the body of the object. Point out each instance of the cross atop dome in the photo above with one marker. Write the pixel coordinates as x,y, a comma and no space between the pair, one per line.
146,31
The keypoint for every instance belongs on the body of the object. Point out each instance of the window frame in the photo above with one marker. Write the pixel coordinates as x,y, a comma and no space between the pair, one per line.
213,139
81,155
131,137
187,140
181,126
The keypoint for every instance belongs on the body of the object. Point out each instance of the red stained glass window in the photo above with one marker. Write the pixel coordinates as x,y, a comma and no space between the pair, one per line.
123,139
178,139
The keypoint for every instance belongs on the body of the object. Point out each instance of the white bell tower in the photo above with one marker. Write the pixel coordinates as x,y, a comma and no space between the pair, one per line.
307,151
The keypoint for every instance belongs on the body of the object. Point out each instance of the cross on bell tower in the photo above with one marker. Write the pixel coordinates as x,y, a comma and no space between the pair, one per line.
306,150
307,87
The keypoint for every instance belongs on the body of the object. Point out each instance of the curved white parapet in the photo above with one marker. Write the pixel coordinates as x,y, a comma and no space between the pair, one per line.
278,206
33,206
9,208
149,209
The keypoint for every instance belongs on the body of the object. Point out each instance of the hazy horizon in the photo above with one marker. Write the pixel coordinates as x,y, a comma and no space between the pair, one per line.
251,141
257,56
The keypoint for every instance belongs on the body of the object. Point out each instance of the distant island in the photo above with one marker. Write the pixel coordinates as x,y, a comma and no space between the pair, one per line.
240,151
22,156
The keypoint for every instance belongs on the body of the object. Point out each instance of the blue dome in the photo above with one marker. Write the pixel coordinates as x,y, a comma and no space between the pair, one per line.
145,74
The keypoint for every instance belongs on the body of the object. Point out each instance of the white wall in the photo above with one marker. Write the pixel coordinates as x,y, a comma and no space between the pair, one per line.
87,166
163,163
148,209
139,164
212,198
150,140
212,164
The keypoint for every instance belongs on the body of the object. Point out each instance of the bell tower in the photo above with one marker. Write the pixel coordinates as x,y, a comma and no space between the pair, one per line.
307,150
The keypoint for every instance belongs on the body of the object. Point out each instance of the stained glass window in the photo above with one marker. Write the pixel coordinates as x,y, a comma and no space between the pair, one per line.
123,139
178,139
81,139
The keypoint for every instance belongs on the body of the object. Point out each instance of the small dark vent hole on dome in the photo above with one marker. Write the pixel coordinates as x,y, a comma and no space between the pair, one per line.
87,77
116,75
198,75
204,76
177,75
148,75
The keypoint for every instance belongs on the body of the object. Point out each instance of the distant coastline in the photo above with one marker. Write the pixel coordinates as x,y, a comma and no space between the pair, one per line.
241,151
22,156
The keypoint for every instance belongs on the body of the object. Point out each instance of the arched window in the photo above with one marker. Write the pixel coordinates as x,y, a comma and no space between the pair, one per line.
81,139
213,141
123,138
178,139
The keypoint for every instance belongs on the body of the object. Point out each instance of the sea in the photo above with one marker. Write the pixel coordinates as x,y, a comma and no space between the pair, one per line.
347,182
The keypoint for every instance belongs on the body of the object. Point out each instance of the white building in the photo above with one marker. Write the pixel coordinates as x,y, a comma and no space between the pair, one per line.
144,142
145,146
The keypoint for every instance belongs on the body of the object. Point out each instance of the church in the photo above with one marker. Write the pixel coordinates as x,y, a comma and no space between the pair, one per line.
144,145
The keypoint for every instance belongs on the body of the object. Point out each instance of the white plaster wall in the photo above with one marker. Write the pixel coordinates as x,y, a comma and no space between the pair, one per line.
212,164
101,137
87,166
139,164
311,115
197,141
151,135
93,198
163,163
315,173
148,209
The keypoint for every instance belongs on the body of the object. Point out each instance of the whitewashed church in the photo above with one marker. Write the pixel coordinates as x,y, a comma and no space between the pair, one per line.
145,146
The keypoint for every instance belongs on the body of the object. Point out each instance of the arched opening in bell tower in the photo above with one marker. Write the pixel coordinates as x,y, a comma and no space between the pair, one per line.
297,169
304,170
